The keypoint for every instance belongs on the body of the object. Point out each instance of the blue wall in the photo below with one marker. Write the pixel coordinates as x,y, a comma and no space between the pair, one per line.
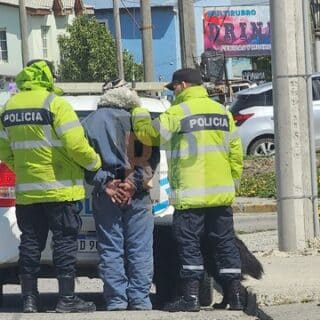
166,43
165,52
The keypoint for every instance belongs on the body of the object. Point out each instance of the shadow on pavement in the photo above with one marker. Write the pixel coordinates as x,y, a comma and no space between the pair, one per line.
13,302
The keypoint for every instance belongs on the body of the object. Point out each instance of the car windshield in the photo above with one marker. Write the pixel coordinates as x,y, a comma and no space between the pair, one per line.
243,101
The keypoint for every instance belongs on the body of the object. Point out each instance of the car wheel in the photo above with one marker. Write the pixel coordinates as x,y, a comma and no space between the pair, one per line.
262,147
206,290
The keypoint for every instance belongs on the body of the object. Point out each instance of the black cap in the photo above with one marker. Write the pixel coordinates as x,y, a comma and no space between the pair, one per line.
188,75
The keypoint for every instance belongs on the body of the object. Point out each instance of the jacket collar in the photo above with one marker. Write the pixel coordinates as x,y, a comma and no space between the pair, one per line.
191,93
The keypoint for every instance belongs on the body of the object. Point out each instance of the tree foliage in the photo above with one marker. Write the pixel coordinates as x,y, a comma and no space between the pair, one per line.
88,53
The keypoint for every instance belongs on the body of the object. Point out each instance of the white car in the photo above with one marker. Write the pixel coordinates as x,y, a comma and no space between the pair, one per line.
87,258
252,110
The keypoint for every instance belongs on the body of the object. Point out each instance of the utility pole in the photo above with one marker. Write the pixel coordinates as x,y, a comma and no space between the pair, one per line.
313,167
290,95
187,33
24,32
146,30
117,26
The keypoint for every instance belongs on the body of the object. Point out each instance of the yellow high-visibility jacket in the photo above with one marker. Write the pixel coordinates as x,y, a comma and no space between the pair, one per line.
43,142
204,152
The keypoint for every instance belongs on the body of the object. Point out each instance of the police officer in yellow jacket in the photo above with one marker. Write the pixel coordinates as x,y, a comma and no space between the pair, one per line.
205,164
43,142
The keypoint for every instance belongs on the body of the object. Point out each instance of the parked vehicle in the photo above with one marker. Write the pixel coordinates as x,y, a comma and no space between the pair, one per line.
87,258
4,96
252,110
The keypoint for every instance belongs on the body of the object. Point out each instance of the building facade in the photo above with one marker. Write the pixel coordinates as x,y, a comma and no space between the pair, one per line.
46,19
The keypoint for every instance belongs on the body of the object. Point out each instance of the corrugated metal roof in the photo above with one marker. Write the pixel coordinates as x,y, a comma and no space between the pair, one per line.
11,2
68,3
108,4
37,4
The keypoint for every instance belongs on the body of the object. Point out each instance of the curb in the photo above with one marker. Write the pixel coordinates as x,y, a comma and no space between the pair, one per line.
254,207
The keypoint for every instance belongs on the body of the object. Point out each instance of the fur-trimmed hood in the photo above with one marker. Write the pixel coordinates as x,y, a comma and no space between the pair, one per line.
121,97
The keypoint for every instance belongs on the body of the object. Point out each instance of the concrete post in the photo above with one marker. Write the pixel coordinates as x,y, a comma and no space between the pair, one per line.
294,192
146,30
117,25
187,33
313,167
24,32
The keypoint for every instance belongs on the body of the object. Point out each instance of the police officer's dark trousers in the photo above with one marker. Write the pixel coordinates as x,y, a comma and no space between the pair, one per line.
35,221
215,224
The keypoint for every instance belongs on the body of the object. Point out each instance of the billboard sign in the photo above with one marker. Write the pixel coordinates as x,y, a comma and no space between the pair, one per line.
241,31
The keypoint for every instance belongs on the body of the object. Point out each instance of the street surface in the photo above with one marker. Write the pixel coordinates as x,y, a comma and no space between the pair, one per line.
263,242
253,222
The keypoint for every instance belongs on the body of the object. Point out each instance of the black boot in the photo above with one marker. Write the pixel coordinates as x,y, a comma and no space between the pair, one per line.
223,304
68,301
234,296
30,294
189,301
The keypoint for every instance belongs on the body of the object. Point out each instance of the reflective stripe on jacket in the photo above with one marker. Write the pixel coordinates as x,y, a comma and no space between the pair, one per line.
43,142
204,153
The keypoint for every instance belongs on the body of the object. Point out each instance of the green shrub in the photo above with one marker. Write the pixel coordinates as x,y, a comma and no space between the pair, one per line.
262,185
258,179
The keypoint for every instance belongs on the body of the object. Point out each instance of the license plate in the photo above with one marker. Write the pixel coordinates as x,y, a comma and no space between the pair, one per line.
87,245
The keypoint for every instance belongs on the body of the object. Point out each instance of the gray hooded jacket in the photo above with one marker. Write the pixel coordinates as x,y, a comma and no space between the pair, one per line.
110,133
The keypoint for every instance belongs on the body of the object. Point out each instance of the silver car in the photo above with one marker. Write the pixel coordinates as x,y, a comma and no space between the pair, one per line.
252,110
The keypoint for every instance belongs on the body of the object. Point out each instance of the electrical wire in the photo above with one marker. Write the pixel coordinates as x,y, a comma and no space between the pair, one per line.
131,16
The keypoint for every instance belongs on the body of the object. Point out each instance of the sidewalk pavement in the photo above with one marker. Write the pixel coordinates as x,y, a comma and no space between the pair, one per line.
289,277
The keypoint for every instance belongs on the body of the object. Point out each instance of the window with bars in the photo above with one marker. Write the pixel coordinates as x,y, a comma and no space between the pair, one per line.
44,39
3,45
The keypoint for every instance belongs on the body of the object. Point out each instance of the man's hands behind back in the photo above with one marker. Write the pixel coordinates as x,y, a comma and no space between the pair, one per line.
120,192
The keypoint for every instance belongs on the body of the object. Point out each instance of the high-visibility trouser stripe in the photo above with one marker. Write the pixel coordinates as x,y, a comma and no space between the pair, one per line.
67,126
199,267
230,270
92,165
165,133
47,185
3,135
35,144
200,150
194,192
